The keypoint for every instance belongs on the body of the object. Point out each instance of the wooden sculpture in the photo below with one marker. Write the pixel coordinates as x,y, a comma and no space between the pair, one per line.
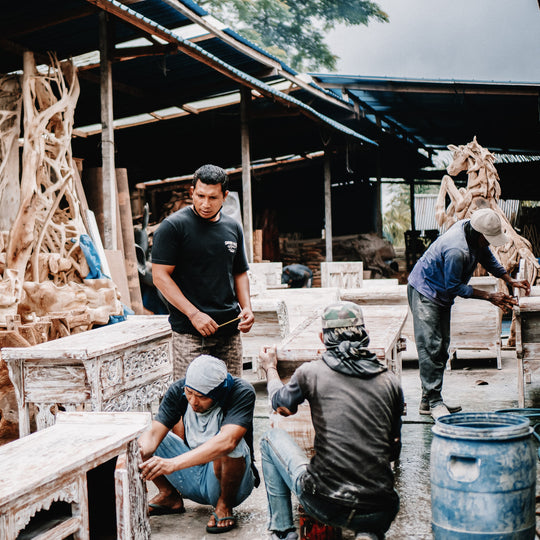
483,191
44,293
43,250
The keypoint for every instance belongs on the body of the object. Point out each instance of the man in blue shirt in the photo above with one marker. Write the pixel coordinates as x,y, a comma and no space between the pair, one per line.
443,273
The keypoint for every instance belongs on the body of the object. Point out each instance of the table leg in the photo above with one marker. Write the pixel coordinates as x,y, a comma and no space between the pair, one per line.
131,498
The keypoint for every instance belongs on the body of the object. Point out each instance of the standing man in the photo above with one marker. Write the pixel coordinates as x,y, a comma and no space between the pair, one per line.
202,441
356,407
199,264
440,275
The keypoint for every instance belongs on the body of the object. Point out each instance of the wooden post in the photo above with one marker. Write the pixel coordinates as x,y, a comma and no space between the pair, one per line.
411,190
128,238
10,190
328,207
247,215
107,134
257,245
378,209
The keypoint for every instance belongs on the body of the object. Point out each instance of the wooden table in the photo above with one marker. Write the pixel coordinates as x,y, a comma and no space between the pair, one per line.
52,465
383,324
120,367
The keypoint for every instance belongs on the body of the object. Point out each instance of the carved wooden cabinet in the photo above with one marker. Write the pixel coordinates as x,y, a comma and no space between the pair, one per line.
120,367
51,466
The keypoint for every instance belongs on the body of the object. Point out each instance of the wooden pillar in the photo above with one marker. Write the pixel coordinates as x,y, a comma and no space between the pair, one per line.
411,191
107,135
10,189
247,214
328,207
378,209
128,240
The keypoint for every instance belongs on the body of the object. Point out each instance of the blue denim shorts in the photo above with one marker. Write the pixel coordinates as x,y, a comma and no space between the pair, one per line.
199,483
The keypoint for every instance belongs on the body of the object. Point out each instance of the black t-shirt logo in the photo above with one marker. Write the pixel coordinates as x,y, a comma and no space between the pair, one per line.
231,246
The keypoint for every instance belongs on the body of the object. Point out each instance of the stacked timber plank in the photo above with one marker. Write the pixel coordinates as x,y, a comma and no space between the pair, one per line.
372,250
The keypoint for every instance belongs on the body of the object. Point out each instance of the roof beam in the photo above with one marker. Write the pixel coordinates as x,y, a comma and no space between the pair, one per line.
251,52
378,116
439,88
139,21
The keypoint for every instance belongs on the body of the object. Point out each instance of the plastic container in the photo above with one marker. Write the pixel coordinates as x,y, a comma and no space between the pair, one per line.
483,477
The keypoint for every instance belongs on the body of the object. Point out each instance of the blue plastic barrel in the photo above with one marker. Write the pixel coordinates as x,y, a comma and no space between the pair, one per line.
483,477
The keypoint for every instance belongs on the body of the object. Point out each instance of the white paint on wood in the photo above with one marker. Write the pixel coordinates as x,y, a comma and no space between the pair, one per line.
120,367
345,275
51,465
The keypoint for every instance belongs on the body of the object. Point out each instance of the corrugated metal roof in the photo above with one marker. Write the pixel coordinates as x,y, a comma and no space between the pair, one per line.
439,112
253,82
72,29
424,211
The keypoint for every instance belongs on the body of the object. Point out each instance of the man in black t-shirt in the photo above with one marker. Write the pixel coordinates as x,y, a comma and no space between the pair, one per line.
199,265
200,445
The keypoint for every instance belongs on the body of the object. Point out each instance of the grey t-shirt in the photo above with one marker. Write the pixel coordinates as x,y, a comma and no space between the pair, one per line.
356,421
237,409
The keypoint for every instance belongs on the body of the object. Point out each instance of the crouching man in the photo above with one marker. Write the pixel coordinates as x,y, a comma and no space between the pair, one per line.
200,444
356,406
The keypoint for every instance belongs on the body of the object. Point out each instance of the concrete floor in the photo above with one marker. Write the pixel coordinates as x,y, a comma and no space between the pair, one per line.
474,381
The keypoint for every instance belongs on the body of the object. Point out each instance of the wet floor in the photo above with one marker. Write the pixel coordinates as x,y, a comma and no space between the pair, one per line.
474,381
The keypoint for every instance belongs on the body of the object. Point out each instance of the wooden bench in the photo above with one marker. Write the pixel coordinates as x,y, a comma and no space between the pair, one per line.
120,367
346,275
51,466
384,326
303,302
476,324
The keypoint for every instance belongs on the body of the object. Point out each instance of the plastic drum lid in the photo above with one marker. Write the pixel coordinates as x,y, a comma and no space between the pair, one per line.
482,426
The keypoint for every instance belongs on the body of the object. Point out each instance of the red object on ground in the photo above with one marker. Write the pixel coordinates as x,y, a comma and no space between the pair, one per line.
311,529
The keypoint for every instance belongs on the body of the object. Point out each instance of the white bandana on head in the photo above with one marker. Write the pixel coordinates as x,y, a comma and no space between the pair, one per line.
205,373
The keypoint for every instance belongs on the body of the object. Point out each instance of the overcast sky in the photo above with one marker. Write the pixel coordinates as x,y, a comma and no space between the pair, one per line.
487,40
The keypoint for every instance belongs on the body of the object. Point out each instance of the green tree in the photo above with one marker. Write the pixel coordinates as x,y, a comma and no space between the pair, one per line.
294,30
397,217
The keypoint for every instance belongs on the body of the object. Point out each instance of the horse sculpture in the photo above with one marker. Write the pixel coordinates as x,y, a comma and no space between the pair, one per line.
483,191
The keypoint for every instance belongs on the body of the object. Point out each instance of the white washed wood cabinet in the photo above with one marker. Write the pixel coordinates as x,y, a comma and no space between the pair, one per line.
120,367
51,465
345,275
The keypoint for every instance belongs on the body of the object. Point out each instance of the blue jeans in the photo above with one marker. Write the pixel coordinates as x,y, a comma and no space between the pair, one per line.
283,464
199,483
432,335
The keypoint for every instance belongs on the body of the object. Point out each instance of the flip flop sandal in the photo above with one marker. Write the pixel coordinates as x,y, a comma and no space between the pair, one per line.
218,530
160,510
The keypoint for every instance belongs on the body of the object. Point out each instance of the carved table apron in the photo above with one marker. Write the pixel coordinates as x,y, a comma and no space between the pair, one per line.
119,367
51,465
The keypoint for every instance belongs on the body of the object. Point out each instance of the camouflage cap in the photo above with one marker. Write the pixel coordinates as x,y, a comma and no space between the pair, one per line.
342,314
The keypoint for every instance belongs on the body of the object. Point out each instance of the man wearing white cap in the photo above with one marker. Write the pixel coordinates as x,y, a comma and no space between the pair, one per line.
441,274
200,444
